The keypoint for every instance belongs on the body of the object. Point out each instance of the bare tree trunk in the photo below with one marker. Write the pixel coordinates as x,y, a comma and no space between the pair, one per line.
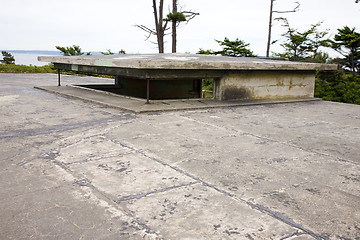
158,23
174,27
162,29
270,22
270,25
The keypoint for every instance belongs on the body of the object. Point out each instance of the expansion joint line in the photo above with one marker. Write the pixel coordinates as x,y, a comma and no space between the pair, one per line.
85,182
269,140
141,195
257,207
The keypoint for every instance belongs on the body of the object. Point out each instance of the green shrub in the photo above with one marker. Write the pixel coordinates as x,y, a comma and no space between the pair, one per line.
338,87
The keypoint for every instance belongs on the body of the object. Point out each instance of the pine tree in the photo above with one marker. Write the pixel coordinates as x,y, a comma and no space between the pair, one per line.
8,58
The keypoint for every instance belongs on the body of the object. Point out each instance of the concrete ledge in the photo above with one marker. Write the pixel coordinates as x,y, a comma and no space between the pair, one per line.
138,105
175,61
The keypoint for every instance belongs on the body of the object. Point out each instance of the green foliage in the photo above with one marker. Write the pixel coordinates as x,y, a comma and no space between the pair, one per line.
13,68
237,48
347,43
107,53
207,87
175,17
8,58
206,52
303,46
338,87
73,50
207,84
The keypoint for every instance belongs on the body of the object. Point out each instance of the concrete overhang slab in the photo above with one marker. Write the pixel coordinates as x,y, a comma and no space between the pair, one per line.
180,61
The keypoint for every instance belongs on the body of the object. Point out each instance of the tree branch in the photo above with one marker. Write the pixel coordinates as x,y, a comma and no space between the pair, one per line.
148,30
290,11
190,15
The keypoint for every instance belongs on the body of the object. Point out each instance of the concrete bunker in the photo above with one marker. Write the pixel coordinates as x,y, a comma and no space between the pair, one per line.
180,76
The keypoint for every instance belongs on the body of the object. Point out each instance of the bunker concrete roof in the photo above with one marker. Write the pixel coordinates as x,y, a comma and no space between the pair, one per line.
180,61
75,169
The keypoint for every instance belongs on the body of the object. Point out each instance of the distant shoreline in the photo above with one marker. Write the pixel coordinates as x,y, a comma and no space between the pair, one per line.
29,57
46,52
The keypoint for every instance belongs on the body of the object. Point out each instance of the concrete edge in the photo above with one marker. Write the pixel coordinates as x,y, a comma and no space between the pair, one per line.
207,102
44,88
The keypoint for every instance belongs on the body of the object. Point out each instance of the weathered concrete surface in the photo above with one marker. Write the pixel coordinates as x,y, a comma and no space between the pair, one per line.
184,61
71,169
265,85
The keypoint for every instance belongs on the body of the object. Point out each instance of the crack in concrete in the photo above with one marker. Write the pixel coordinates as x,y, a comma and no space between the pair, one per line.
61,127
141,195
84,182
269,140
295,234
124,145
48,155
285,219
258,207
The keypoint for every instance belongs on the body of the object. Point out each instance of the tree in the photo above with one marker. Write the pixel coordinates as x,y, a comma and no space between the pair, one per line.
109,52
271,19
160,27
8,58
338,86
300,46
347,43
73,50
176,18
237,48
161,23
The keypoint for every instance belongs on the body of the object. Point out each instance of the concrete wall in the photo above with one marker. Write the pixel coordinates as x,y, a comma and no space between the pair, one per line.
265,85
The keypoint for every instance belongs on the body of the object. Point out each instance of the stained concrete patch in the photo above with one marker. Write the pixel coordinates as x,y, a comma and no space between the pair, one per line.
38,203
200,212
118,170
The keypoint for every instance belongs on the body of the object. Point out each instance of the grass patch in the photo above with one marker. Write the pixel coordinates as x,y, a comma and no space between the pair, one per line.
14,68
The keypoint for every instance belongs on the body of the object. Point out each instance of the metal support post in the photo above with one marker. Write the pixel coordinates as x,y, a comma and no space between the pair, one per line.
59,78
147,91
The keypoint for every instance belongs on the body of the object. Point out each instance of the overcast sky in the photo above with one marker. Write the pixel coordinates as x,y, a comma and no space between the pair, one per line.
97,25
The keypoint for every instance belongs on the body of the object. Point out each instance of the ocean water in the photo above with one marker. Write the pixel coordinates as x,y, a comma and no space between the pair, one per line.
30,57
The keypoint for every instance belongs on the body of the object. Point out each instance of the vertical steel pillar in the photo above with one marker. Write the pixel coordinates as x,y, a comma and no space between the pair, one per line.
147,91
59,78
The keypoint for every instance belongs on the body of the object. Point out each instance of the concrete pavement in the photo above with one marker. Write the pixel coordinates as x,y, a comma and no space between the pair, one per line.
73,169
